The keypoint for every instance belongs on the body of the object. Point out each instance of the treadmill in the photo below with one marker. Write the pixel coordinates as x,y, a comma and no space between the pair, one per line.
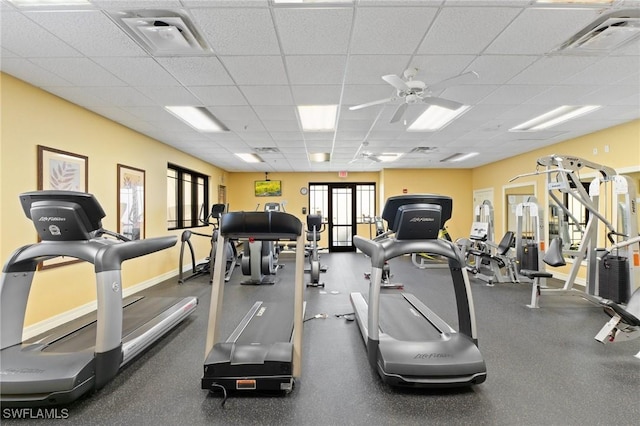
82,356
407,343
263,353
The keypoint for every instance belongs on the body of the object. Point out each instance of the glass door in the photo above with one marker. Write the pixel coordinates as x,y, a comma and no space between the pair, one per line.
342,220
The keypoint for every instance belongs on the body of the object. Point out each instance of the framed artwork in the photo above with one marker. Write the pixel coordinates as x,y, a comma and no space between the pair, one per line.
131,205
61,170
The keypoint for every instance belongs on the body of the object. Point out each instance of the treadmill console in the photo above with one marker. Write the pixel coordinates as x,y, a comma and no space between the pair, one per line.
63,215
393,204
418,222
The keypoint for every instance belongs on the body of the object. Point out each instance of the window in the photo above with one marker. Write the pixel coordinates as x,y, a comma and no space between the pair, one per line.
187,197
365,202
365,199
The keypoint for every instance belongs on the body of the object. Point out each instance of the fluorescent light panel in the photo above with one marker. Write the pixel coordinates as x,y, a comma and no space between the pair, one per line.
319,157
435,117
386,157
197,117
318,117
459,157
554,117
250,157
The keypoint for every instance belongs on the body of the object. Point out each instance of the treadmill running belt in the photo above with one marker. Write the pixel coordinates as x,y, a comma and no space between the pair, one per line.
134,316
272,323
402,321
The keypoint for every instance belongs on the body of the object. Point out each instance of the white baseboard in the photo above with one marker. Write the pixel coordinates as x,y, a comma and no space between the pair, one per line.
70,315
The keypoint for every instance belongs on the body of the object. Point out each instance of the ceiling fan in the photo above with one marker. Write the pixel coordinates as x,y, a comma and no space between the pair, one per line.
417,92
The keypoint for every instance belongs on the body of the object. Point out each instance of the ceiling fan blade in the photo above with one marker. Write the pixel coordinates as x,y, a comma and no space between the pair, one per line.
467,77
372,103
441,102
399,112
396,82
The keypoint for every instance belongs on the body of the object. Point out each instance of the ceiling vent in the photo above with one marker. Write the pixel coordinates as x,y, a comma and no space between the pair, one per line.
424,150
606,33
267,150
162,32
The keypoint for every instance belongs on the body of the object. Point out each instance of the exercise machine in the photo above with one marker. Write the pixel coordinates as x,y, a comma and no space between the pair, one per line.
381,234
315,228
624,323
407,343
529,237
563,176
60,367
552,257
259,259
204,267
264,350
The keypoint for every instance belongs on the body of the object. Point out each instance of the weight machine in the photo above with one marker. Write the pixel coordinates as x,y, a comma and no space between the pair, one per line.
563,175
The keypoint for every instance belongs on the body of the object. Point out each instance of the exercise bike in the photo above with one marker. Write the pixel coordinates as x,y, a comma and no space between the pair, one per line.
206,266
315,227
381,234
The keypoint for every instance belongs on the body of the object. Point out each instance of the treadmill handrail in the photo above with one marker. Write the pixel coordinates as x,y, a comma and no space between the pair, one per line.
112,256
384,250
105,254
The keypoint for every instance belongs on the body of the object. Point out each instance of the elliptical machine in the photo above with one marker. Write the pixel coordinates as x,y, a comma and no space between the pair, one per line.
206,266
259,259
315,227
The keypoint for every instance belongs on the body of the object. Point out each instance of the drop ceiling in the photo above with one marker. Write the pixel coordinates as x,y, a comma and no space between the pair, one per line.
264,58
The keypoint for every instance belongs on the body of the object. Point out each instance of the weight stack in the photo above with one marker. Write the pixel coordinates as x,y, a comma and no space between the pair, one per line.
528,256
613,278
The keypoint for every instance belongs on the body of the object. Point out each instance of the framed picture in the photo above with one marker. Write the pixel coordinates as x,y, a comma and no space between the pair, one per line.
268,188
131,205
61,170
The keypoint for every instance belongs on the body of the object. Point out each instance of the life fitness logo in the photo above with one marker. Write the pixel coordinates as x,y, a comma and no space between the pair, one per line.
422,219
53,229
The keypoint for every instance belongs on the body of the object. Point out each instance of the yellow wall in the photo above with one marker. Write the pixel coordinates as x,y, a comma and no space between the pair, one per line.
32,117
455,183
39,118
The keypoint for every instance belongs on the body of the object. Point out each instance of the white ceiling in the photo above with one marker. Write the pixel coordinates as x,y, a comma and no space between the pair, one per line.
267,58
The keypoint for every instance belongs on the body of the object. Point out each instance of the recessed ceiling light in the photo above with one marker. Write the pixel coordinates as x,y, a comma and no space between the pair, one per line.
554,117
459,157
197,117
319,157
318,117
388,156
250,157
436,117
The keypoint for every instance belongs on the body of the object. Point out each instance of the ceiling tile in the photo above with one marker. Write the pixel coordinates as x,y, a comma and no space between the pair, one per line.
310,95
200,71
611,69
120,96
390,30
540,30
90,32
235,31
276,112
79,71
466,30
553,70
31,73
218,95
369,69
20,34
138,71
267,95
560,95
498,69
77,95
170,95
513,94
256,69
322,31
321,69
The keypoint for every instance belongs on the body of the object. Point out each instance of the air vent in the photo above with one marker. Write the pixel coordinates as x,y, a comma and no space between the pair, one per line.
424,149
606,34
266,150
162,32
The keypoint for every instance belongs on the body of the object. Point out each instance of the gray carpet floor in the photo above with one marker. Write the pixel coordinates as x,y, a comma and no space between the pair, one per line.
544,366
